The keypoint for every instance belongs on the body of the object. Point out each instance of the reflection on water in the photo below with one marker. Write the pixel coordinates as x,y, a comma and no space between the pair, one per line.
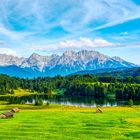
90,102
70,101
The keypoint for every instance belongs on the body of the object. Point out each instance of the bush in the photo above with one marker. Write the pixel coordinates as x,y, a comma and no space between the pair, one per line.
47,103
130,102
38,102
12,91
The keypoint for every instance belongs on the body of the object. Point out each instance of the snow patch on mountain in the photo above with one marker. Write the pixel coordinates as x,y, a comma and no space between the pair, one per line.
69,62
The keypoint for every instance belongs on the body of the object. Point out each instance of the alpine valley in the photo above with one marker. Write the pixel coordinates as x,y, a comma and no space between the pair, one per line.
68,63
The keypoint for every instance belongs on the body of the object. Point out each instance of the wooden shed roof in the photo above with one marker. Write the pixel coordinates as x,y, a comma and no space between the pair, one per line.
8,114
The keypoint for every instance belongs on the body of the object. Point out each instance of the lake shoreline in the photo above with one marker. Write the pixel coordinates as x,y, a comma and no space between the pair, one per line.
58,107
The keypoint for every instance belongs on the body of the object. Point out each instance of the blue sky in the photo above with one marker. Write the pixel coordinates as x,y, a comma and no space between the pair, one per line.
54,26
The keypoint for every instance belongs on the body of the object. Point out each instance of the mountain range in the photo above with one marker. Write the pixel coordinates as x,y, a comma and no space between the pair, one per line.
67,63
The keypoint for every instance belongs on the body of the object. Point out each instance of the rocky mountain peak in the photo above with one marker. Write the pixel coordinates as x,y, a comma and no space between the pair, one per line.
117,58
6,60
68,62
69,53
35,55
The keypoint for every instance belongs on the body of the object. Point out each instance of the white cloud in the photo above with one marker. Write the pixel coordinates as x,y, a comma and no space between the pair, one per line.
94,15
124,33
1,42
7,51
72,15
79,44
12,34
79,17
114,12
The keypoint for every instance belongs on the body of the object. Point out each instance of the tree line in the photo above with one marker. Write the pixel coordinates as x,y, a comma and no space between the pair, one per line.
102,90
76,85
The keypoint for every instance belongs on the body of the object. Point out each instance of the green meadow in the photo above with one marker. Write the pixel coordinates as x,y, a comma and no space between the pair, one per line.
57,122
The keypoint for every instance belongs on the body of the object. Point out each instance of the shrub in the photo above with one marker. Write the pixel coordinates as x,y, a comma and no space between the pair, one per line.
12,91
130,102
38,102
47,103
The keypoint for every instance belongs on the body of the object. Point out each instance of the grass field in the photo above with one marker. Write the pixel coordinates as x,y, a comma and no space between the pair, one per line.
20,92
25,92
56,122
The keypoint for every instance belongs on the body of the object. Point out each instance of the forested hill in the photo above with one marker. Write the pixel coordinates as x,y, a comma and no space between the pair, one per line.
120,72
76,85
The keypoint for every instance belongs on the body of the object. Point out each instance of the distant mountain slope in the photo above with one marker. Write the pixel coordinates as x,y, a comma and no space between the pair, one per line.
113,72
69,62
19,72
13,71
126,72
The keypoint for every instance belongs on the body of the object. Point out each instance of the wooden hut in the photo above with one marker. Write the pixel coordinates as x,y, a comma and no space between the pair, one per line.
2,116
99,110
6,115
15,110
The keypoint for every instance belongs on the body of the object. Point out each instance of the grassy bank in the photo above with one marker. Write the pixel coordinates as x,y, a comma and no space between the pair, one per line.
56,122
20,92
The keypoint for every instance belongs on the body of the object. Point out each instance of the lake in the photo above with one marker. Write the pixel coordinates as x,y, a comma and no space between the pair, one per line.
85,101
69,101
90,102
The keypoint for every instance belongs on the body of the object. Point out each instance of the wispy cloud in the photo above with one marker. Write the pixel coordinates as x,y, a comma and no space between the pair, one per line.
73,16
126,37
74,44
7,51
81,44
23,23
96,15
2,42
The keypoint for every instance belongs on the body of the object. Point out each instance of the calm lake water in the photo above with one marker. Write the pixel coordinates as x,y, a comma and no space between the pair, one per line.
90,102
86,101
73,101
